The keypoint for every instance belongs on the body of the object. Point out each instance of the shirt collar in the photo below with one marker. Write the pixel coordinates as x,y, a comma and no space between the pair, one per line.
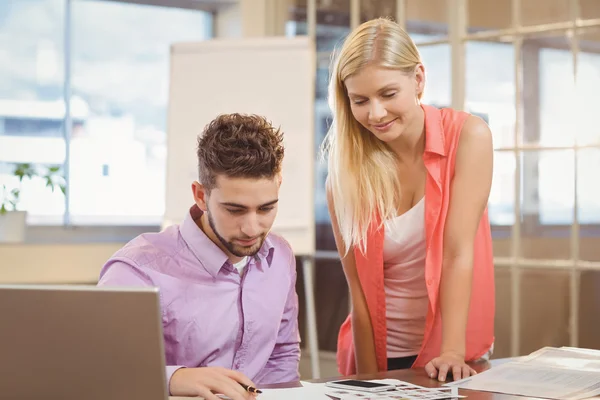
206,251
434,131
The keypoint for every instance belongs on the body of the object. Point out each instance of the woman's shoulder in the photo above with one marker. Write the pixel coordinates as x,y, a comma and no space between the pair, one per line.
450,115
458,123
454,127
446,118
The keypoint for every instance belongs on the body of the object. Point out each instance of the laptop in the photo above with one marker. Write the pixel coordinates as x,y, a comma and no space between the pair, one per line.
81,342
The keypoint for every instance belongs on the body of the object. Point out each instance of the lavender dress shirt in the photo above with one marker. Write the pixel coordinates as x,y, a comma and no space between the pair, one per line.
211,316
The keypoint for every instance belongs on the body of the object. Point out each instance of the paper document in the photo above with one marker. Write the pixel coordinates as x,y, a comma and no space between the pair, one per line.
553,373
318,391
403,391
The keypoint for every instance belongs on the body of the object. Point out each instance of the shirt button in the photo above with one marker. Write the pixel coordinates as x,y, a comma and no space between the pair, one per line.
430,282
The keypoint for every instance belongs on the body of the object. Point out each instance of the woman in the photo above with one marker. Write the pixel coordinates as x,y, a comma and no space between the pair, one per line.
407,192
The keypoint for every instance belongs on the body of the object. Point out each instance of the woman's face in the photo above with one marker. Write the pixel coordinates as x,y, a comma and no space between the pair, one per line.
384,100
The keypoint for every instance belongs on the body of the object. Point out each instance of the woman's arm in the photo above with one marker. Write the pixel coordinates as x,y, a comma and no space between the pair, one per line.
469,194
362,329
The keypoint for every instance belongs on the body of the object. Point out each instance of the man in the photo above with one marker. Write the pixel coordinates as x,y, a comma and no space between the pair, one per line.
227,285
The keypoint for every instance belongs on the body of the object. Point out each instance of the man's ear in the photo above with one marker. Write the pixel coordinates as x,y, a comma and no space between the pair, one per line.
279,178
200,195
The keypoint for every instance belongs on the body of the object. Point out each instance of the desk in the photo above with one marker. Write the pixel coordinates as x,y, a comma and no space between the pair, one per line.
419,377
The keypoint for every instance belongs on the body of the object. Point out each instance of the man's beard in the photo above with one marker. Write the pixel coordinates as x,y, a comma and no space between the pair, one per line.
238,251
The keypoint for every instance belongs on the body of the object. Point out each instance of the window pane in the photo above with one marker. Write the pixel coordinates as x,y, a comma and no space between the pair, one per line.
568,107
556,189
32,101
548,193
587,87
121,74
501,204
436,59
333,26
551,124
331,16
296,22
588,202
322,121
490,88
588,189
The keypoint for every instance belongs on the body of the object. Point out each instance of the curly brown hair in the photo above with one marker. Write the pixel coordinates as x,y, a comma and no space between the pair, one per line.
239,146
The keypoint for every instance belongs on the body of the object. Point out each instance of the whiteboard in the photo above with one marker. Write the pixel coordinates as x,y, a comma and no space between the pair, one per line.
273,77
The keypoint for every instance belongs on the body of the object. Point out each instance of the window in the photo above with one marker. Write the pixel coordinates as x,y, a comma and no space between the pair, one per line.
119,80
436,60
558,112
567,118
490,93
438,86
31,100
121,75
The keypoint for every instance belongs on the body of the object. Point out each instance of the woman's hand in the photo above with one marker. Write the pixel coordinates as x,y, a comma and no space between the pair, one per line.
448,362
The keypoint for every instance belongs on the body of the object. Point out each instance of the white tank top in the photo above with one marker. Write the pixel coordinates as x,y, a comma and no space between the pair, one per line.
404,251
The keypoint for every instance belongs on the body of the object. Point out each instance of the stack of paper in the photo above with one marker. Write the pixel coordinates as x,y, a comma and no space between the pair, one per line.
564,373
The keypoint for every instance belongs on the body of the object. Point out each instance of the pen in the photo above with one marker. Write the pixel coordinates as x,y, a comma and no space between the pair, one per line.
250,389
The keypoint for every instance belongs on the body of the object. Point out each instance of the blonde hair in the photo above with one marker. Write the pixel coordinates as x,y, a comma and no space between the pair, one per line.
362,169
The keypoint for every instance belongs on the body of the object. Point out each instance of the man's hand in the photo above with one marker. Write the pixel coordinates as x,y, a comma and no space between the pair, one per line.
208,380
448,362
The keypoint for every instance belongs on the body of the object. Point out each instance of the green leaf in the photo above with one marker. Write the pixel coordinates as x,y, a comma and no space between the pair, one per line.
24,170
63,189
3,209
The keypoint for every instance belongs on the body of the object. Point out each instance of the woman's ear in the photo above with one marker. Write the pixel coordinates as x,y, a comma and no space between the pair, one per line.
420,79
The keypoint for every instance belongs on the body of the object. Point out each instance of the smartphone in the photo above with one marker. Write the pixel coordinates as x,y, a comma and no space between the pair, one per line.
366,386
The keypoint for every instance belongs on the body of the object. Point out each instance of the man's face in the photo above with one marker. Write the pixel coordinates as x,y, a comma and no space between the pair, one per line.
240,212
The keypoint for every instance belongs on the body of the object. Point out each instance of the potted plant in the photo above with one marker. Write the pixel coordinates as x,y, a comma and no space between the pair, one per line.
12,219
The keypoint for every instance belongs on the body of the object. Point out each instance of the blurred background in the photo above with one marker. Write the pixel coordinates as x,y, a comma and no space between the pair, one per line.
83,104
